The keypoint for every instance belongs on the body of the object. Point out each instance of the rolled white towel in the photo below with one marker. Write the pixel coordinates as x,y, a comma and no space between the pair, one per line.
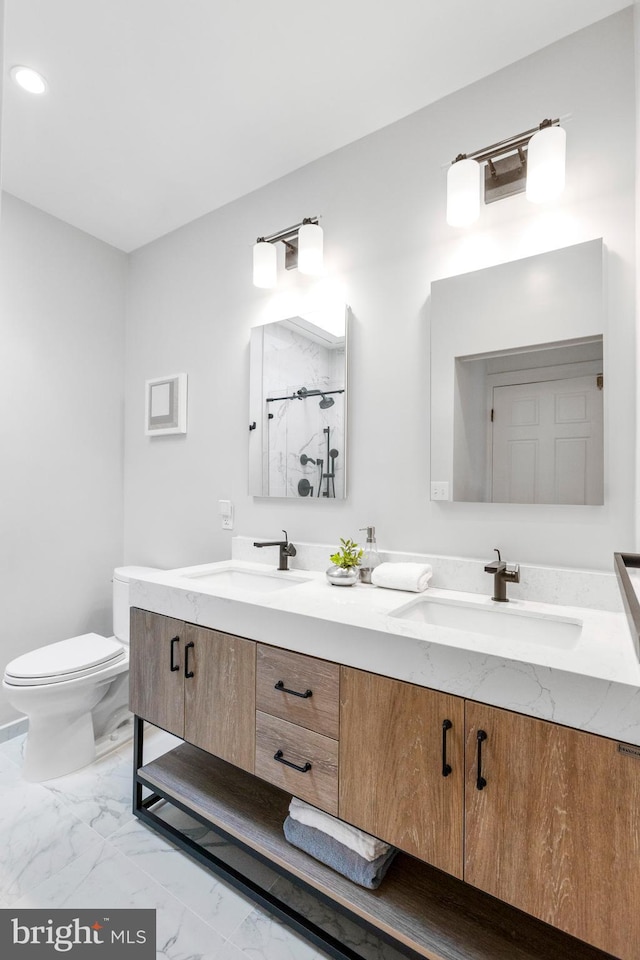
403,576
367,846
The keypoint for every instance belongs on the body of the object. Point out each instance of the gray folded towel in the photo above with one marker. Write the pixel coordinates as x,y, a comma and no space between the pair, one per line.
366,873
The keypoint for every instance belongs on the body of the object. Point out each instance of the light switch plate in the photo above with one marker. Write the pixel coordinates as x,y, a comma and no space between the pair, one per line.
439,489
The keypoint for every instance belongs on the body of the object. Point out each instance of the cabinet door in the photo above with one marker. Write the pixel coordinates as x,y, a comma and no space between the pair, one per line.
391,766
556,829
156,670
220,695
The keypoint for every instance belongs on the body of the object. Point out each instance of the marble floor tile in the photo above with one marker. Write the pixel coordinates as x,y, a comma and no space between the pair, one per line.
39,835
263,938
235,856
217,903
99,794
231,952
344,930
104,878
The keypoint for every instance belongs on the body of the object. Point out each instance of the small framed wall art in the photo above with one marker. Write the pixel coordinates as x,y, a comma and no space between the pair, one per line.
166,405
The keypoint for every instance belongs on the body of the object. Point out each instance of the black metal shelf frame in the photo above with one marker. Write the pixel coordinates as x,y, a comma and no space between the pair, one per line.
264,898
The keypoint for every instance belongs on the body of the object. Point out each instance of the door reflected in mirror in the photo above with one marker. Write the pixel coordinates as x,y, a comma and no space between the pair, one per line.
521,342
298,392
528,425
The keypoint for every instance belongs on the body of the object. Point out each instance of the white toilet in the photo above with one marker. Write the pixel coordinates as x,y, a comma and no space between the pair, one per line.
74,692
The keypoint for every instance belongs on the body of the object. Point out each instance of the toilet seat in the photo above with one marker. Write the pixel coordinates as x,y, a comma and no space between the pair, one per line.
65,660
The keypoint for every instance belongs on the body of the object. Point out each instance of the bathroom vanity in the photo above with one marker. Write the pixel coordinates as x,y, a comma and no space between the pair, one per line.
517,832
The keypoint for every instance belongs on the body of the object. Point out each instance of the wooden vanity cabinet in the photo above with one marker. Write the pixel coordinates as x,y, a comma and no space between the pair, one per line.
395,746
556,829
197,683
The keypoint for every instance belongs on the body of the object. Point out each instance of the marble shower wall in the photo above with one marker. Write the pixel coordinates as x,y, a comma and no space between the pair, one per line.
296,427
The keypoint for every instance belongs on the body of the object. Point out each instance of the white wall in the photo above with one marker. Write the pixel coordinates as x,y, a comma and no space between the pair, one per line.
2,68
61,430
636,24
382,200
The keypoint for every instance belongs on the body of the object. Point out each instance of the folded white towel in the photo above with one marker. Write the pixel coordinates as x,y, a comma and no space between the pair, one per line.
403,576
368,847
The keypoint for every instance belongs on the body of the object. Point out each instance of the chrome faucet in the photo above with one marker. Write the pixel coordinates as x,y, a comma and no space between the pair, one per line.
502,575
286,550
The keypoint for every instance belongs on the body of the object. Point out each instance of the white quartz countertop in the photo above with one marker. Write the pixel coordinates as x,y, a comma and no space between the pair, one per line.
590,680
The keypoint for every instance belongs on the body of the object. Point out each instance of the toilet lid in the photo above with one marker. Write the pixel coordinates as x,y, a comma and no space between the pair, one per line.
65,660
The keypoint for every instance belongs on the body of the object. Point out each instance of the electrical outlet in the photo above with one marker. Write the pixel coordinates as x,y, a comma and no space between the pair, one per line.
439,489
225,509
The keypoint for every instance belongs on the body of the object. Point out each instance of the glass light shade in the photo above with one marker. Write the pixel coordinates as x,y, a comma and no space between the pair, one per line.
463,193
265,265
545,164
30,80
310,243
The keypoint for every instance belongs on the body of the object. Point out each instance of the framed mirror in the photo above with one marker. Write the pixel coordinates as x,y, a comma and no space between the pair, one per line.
297,408
517,381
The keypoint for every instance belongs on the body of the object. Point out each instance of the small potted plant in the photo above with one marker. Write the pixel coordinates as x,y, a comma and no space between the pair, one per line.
344,572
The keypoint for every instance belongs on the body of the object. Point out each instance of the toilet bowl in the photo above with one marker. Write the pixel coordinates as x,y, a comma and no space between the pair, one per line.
73,692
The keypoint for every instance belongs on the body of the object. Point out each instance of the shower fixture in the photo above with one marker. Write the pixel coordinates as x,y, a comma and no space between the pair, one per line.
330,476
303,393
326,401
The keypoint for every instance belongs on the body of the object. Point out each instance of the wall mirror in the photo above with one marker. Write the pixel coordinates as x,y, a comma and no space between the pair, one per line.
517,380
297,408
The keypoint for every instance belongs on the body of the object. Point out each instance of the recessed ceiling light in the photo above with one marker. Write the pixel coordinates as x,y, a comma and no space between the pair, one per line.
28,79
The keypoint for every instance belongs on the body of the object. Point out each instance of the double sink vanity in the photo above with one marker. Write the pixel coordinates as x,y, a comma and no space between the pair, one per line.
497,745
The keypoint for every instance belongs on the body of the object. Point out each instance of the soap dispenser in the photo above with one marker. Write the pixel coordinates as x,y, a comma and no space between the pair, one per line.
370,557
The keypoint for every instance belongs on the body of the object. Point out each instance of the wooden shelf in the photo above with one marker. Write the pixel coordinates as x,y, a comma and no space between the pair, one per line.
437,916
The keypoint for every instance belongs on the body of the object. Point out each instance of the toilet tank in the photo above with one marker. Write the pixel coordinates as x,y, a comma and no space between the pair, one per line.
122,577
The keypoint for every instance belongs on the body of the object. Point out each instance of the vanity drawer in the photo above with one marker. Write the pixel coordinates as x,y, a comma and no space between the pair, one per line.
279,671
318,784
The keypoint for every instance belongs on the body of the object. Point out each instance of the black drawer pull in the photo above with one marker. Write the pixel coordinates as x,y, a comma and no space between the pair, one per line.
280,686
446,767
188,673
280,758
481,783
174,666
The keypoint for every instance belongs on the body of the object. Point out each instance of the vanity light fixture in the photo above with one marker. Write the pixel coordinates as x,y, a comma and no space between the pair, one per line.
28,78
303,250
533,161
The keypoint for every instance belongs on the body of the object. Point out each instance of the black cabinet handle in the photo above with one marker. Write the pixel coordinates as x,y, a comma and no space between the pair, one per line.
280,758
446,767
188,673
174,666
481,783
280,686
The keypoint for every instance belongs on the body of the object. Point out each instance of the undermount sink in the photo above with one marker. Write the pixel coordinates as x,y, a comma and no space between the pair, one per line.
502,621
249,581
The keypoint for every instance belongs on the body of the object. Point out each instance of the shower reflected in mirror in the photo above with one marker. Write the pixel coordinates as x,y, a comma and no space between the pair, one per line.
298,403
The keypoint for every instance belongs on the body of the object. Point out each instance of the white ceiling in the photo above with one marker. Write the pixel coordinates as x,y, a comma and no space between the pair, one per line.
162,110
